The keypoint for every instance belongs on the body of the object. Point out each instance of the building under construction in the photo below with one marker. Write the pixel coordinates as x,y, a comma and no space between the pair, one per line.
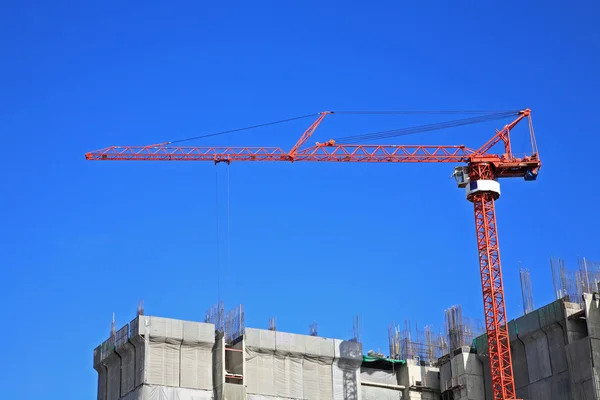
555,354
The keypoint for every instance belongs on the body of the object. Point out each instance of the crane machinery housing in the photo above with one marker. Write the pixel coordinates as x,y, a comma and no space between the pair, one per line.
479,178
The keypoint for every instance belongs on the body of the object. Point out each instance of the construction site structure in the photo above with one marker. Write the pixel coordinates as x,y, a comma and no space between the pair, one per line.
555,353
154,358
479,178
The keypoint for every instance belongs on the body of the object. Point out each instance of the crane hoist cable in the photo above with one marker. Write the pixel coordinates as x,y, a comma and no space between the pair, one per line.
243,129
424,128
486,116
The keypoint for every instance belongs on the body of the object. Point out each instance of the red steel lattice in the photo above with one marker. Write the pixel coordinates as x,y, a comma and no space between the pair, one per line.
492,288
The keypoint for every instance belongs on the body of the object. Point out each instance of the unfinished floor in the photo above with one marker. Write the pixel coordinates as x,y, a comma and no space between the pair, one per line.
158,358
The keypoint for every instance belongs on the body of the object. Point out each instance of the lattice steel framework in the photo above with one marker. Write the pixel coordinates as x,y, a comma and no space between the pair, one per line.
492,288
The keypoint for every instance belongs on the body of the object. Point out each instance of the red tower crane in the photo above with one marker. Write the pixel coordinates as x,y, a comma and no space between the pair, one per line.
479,178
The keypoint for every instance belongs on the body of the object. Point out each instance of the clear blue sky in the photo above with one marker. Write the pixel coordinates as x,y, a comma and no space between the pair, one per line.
80,240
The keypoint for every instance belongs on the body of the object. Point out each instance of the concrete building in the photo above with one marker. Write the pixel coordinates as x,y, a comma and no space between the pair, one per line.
555,353
158,358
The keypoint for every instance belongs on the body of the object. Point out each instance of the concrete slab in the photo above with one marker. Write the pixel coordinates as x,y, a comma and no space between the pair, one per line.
571,308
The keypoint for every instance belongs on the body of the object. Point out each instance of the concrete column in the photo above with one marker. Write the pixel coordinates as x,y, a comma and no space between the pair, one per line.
346,370
580,368
113,367
519,358
575,328
139,338
483,357
102,373
218,356
592,314
468,374
536,346
126,352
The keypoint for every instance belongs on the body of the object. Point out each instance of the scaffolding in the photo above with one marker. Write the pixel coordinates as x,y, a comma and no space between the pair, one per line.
234,323
425,345
230,324
216,315
460,331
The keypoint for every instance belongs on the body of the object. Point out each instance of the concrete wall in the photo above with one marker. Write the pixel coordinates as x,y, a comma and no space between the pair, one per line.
592,314
280,364
127,353
102,373
537,342
553,357
218,357
462,375
151,355
159,358
420,382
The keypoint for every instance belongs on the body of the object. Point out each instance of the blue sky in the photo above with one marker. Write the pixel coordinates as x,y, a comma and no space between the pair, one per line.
309,242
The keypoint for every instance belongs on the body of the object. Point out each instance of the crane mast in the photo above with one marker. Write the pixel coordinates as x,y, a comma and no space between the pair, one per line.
479,178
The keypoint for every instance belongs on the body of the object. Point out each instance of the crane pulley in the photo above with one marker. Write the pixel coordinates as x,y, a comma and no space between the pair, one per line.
479,177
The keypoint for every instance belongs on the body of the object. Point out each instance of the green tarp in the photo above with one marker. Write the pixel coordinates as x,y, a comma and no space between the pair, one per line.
388,360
